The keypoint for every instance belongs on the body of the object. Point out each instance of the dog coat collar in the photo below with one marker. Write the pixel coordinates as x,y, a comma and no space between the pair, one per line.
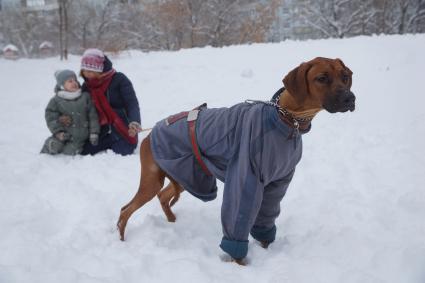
298,125
304,124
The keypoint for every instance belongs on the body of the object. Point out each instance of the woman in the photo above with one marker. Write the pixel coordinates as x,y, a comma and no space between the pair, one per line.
116,104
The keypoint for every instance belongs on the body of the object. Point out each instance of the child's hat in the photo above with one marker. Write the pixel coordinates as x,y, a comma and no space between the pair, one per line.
63,75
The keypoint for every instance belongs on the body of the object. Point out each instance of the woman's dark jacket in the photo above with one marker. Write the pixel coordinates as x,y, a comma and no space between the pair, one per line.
123,100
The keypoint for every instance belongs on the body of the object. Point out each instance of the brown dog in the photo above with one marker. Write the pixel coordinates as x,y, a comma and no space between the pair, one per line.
321,83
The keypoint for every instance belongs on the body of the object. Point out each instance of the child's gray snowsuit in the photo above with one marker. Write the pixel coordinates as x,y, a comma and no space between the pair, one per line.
84,122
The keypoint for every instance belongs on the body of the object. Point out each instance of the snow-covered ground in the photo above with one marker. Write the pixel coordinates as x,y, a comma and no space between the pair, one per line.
354,212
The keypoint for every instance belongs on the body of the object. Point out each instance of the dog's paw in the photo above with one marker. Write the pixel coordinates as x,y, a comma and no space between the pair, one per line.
171,217
228,258
241,261
121,228
264,244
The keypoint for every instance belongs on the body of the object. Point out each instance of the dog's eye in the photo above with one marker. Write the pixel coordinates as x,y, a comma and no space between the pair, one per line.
323,79
345,79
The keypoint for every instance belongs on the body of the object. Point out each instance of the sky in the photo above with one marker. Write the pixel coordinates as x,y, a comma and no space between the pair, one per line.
353,212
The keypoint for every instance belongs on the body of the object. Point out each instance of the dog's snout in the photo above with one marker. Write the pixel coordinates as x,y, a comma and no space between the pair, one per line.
344,100
348,99
345,96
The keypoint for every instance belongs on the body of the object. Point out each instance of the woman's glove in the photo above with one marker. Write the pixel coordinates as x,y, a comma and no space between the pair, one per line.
94,139
134,128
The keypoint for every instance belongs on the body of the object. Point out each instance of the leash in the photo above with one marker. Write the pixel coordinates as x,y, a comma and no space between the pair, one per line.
276,99
295,122
298,124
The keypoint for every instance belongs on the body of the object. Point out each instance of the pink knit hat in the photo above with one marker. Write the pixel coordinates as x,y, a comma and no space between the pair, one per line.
92,60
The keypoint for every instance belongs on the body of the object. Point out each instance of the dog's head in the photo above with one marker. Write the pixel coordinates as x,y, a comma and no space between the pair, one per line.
323,83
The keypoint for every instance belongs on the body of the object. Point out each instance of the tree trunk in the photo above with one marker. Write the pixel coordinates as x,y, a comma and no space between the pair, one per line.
60,30
65,25
63,29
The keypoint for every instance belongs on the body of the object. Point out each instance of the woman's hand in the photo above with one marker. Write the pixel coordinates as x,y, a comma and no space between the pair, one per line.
133,129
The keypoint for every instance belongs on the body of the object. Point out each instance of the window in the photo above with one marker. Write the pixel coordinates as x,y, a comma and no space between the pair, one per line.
129,1
34,3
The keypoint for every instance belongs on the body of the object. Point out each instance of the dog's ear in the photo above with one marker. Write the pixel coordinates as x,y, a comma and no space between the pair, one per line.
343,65
350,73
296,81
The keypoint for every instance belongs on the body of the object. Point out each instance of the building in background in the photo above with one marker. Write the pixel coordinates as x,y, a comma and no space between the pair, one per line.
46,49
10,52
28,5
39,5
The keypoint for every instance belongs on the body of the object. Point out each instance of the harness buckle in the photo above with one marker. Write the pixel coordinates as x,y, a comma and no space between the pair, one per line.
193,115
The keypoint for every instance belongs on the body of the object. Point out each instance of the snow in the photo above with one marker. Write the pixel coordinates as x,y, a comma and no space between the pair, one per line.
353,213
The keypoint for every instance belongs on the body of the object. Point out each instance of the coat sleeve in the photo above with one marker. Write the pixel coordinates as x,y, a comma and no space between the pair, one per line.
264,229
51,115
130,100
242,197
94,126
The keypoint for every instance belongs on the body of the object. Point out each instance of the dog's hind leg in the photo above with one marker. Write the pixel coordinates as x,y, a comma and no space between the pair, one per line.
168,197
151,182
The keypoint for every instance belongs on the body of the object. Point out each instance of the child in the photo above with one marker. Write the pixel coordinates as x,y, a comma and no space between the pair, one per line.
70,116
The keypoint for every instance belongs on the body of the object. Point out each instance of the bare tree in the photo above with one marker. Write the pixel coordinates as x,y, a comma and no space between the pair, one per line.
175,24
257,22
172,18
96,24
63,28
26,29
337,18
195,12
403,16
115,25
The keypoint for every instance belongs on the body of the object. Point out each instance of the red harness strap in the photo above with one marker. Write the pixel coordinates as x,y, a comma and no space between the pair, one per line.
174,118
192,116
191,121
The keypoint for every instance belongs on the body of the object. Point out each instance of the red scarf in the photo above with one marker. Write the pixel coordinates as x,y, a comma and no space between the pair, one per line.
107,115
